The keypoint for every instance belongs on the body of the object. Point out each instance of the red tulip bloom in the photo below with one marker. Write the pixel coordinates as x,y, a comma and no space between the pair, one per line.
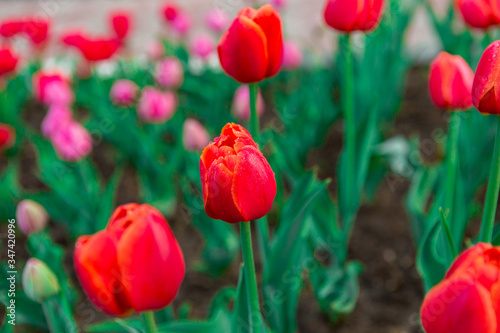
36,30
121,24
7,136
93,49
480,14
135,264
11,28
8,61
252,49
450,82
353,15
486,88
468,298
238,182
170,11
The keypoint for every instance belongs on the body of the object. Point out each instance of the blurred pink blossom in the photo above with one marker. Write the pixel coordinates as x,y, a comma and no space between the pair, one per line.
52,88
292,56
195,137
155,50
124,92
155,106
241,103
202,46
58,116
217,20
169,73
279,4
72,142
181,24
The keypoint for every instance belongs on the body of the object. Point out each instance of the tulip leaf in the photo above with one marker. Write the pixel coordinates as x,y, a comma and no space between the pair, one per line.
11,191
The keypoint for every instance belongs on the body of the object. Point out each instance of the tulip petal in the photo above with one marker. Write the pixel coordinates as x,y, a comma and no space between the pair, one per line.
476,13
97,269
342,15
151,263
269,21
467,259
485,94
243,51
254,185
458,305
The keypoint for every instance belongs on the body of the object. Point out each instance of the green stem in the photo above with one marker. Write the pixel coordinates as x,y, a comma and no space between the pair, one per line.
490,206
262,225
50,316
149,322
448,234
250,276
349,126
451,170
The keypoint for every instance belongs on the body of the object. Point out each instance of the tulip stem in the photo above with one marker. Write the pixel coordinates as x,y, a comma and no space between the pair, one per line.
50,316
262,225
149,322
490,206
250,276
349,125
451,171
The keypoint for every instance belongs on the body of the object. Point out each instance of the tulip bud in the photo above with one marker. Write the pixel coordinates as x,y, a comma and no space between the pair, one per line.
7,136
156,107
202,46
353,15
124,93
134,264
292,56
169,73
467,299
8,61
238,182
170,11
72,141
39,282
120,22
450,82
241,104
480,14
252,49
485,88
195,136
31,217
217,20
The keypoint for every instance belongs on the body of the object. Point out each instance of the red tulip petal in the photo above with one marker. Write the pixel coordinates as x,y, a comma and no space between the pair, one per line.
458,305
370,15
467,258
97,270
476,13
151,263
485,91
254,186
342,14
243,51
269,20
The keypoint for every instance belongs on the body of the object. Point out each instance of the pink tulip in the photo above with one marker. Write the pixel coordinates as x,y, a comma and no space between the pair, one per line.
279,4
169,73
217,20
72,142
31,217
181,24
58,116
156,107
52,88
292,56
124,93
202,46
195,137
241,104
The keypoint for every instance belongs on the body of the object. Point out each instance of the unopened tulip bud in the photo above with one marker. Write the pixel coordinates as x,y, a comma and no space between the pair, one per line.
72,142
450,82
169,73
155,106
124,93
8,61
486,88
217,20
292,56
241,104
31,217
39,282
195,136
202,46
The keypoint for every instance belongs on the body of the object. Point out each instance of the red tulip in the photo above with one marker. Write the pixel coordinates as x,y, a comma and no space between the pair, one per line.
7,136
252,49
44,82
36,30
135,264
11,28
352,15
170,11
450,82
238,182
485,89
93,49
468,299
479,13
8,61
120,22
